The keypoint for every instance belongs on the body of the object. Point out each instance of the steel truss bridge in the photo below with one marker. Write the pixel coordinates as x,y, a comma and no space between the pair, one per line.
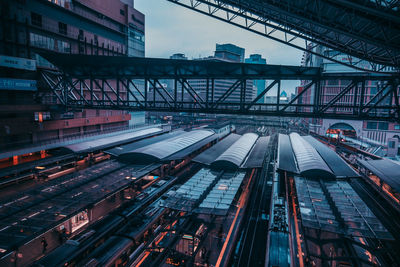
366,32
135,84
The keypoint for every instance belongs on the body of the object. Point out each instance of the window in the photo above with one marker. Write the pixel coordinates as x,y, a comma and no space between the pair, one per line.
63,47
372,125
41,41
383,126
391,144
122,12
62,28
42,116
397,127
36,19
63,3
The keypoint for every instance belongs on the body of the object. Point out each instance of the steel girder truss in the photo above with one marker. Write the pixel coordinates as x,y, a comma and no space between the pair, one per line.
150,94
367,35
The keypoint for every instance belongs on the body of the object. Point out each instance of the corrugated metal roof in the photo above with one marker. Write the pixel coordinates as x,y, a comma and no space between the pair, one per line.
163,149
104,142
309,162
211,154
190,149
257,154
123,149
286,160
235,155
334,161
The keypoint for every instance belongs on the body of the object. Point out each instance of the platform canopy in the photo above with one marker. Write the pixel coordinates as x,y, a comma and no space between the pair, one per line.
211,154
220,198
339,167
114,140
159,151
235,155
334,206
189,194
387,170
286,158
309,162
236,152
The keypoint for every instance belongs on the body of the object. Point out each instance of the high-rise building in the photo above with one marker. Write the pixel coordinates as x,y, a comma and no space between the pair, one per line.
107,27
226,53
258,84
373,132
229,52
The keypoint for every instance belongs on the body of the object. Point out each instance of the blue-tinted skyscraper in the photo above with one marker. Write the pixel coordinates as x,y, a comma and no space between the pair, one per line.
229,52
259,84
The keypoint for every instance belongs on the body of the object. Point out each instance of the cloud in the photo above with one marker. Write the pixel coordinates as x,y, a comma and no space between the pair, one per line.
171,29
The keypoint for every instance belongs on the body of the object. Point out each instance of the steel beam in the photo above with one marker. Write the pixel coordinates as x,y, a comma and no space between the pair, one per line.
70,92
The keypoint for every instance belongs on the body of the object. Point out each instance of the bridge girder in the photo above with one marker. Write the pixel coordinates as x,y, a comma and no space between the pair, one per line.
124,93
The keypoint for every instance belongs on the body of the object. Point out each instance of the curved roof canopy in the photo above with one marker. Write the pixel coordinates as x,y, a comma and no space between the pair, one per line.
114,140
165,148
235,155
309,162
387,170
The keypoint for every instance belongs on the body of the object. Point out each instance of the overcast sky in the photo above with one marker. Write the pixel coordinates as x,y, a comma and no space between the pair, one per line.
174,29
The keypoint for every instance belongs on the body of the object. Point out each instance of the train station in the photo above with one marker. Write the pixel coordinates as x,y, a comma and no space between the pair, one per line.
199,133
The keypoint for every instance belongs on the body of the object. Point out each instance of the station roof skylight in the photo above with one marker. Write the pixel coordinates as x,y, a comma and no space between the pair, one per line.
219,200
334,206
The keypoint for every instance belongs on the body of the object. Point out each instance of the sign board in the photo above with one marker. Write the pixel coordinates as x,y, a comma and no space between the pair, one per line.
16,84
17,63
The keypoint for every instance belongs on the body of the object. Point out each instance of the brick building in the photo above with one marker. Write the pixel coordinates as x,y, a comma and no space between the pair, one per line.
375,133
107,27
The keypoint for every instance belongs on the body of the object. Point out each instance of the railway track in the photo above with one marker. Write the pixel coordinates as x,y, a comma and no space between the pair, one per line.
251,246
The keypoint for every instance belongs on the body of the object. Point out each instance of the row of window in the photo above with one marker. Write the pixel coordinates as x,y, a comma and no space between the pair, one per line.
36,19
373,125
49,43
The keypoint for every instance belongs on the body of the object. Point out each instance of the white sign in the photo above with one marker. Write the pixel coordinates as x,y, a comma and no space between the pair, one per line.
17,63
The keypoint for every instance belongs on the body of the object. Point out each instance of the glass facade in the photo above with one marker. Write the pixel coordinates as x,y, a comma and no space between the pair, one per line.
135,43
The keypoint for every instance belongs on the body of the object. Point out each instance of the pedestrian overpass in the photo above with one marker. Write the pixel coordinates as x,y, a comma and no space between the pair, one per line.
135,84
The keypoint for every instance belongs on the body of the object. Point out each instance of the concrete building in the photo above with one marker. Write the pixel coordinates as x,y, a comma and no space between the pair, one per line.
258,84
375,133
109,27
227,53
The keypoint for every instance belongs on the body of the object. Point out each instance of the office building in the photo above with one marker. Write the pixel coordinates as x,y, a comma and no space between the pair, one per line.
375,133
227,53
258,84
107,27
